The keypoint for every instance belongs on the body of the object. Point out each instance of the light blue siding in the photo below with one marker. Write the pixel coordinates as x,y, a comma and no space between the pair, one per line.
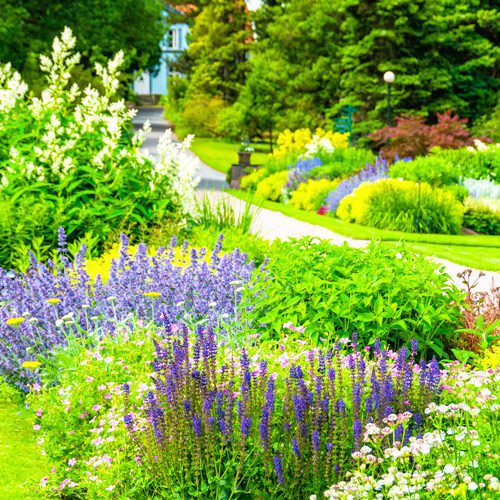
156,83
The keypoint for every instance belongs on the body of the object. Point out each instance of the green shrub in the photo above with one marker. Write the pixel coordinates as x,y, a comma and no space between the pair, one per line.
230,123
403,206
481,218
343,162
432,169
333,291
311,195
482,162
200,115
271,187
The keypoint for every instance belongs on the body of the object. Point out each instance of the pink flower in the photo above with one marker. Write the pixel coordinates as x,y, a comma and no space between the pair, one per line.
108,396
101,387
43,481
39,412
83,415
89,379
96,407
37,427
72,462
36,387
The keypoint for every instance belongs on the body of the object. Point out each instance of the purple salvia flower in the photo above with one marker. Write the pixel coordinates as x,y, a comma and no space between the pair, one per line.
197,425
296,447
246,423
357,431
278,467
315,440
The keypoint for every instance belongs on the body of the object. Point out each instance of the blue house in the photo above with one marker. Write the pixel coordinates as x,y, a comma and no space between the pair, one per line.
155,83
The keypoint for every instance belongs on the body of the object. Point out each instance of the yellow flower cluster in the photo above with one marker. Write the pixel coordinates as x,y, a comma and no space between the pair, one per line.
491,358
102,265
310,195
14,321
31,365
293,143
270,188
251,180
152,295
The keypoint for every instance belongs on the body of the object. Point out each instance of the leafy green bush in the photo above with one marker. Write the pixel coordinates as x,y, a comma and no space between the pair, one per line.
446,166
343,162
481,218
200,115
403,206
432,169
390,294
70,159
311,195
481,162
271,187
230,122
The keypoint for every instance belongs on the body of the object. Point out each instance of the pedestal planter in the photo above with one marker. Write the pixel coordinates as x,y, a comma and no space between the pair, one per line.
237,172
244,158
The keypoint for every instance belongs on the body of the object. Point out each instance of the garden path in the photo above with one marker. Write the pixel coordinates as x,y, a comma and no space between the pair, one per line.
273,225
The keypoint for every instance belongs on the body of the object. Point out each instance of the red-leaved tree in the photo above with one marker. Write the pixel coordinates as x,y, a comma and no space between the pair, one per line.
413,137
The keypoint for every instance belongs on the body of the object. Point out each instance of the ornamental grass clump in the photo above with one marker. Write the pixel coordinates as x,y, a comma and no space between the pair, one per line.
220,424
61,300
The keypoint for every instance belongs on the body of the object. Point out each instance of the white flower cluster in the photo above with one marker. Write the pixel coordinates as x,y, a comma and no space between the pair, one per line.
12,89
179,165
76,126
415,484
318,145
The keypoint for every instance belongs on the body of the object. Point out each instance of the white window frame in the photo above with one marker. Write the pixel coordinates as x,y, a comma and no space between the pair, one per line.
173,39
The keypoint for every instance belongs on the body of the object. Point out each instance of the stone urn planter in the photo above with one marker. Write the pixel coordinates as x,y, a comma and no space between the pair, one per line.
244,158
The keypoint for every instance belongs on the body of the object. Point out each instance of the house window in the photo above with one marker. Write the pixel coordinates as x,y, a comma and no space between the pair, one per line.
173,39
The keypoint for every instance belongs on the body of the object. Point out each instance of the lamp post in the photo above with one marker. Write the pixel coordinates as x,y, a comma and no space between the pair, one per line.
389,78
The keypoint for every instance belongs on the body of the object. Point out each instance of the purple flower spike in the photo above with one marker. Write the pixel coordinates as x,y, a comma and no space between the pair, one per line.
278,467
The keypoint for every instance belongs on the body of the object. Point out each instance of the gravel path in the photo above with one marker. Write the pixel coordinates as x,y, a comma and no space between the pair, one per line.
272,225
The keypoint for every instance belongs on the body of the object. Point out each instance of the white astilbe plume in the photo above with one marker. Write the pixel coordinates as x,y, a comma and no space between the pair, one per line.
12,88
178,165
75,126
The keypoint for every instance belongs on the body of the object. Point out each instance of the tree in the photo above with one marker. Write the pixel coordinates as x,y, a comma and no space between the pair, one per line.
218,48
260,98
102,28
443,53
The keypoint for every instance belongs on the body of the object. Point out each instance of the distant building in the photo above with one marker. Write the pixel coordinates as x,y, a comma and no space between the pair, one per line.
155,83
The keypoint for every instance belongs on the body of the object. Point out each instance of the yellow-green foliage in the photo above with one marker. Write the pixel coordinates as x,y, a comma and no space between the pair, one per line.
270,188
251,180
394,204
310,195
491,358
294,143
102,264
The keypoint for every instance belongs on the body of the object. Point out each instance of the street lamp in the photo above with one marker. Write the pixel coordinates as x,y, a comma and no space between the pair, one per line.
389,78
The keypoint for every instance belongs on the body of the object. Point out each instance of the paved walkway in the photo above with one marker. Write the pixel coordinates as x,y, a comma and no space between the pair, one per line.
210,179
272,225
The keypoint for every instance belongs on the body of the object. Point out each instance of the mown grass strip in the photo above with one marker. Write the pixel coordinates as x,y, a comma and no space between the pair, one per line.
477,251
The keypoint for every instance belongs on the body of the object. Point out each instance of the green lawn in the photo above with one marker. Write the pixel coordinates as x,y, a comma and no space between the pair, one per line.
479,252
221,154
21,463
